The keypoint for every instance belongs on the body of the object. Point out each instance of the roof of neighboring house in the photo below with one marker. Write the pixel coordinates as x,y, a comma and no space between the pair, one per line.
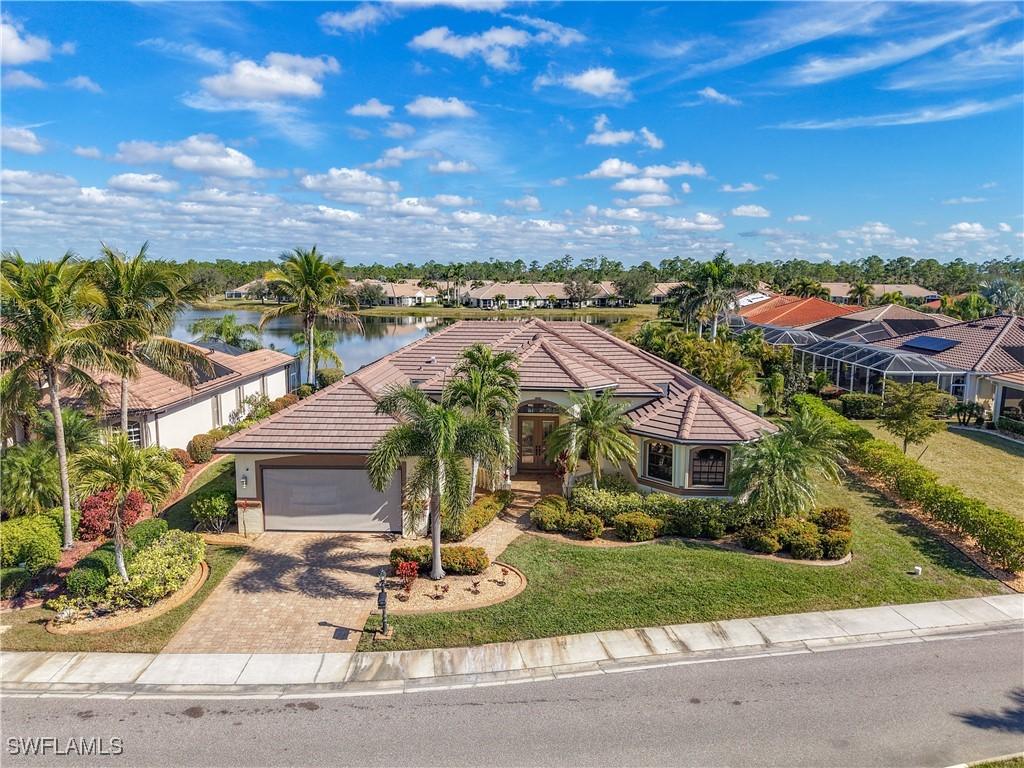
402,288
663,289
1013,378
794,312
993,344
842,290
937,303
244,288
539,291
554,356
881,322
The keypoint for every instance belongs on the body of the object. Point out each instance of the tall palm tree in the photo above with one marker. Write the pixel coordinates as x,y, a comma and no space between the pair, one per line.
121,467
440,436
226,328
139,301
776,475
861,293
487,383
324,341
595,431
45,335
315,288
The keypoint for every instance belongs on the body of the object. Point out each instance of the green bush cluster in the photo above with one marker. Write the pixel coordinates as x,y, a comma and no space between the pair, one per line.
327,376
89,578
456,560
159,570
636,526
304,391
212,511
606,504
31,542
13,581
1011,425
848,432
860,405
999,534
56,516
483,510
552,513
679,516
826,535
200,448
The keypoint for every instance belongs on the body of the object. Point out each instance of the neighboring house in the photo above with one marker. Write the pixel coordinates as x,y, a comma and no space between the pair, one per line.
165,412
881,322
840,292
241,291
408,294
304,469
1008,398
792,311
661,291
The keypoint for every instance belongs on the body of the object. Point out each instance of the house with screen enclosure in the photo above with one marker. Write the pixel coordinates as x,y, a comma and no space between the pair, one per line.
303,469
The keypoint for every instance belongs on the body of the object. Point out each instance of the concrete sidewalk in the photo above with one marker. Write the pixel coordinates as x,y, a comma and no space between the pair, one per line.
274,675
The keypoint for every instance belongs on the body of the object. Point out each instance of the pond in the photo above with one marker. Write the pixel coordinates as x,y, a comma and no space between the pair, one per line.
356,347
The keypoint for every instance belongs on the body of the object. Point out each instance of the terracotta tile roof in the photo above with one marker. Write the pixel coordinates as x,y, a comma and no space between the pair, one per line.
556,356
1013,378
910,290
992,344
698,414
794,312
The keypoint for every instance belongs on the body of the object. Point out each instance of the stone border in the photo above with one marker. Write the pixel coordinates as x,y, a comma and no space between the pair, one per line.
103,624
486,604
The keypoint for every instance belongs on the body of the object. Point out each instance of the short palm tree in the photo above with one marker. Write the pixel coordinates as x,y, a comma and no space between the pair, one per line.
441,437
31,479
776,475
19,405
80,431
121,467
324,342
45,336
315,288
487,383
140,298
807,288
227,329
861,293
596,431
892,297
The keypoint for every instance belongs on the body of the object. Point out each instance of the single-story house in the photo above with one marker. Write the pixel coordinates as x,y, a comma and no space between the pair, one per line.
792,311
241,291
1008,399
304,468
165,412
840,292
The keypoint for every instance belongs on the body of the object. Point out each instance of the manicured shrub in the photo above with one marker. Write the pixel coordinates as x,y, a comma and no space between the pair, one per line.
327,376
551,513
98,509
694,518
849,433
758,539
835,405
88,579
13,581
304,391
506,498
212,512
588,526
181,456
30,542
1011,425
636,526
159,570
806,545
143,534
284,401
860,405
56,516
831,519
483,510
605,504
456,560
200,448
616,482
835,544
219,433
407,573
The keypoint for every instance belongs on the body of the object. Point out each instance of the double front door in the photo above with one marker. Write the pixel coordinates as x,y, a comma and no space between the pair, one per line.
533,437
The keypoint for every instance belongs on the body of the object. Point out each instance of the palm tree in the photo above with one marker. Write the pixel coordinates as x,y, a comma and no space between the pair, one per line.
861,293
227,329
324,351
19,405
45,337
595,431
80,431
773,390
807,288
892,297
314,289
440,436
1006,296
487,383
121,467
139,300
776,475
972,306
31,483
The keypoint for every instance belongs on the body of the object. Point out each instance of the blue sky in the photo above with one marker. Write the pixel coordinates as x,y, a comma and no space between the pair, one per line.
423,129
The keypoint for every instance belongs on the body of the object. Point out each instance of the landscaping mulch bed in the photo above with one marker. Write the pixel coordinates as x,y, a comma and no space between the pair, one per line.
427,596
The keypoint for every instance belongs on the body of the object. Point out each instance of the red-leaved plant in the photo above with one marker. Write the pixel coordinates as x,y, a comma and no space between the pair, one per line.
98,508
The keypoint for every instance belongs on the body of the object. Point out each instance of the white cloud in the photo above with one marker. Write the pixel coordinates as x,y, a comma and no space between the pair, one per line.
451,166
710,95
612,168
412,206
561,181
472,218
965,231
399,130
395,156
603,135
624,214
83,83
372,108
964,200
685,186
1004,227
550,32
363,17
642,185
280,75
608,230
650,139
798,217
18,47
90,152
352,185
596,81
524,203
544,225
770,232
702,222
746,186
142,182
984,63
454,201
684,168
20,140
202,153
877,233
338,214
495,46
753,211
435,107
648,200
210,56
16,78
31,183
936,114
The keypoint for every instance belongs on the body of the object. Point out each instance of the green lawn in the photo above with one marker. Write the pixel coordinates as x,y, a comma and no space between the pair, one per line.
984,466
576,589
27,631
219,477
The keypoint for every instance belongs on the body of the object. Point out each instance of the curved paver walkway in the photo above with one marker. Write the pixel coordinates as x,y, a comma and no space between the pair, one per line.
507,527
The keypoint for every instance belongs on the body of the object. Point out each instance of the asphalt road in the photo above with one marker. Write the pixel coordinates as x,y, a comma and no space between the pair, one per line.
928,704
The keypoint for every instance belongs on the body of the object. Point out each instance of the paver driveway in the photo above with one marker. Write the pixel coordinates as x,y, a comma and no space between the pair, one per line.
292,593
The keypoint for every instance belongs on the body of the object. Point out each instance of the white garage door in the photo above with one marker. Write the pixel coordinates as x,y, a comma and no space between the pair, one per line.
329,500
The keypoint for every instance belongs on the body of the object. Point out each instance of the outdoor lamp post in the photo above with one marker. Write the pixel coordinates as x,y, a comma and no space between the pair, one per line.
382,602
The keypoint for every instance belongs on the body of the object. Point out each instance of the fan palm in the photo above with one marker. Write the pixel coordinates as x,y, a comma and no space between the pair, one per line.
1006,296
227,329
314,288
440,436
121,467
324,351
80,431
595,431
139,300
31,479
44,336
487,383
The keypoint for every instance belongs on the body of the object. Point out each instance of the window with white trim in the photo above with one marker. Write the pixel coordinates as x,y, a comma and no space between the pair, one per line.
658,461
707,467
134,433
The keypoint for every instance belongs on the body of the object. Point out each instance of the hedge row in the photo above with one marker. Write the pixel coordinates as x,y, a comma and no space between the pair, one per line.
89,578
1011,425
999,534
456,561
826,535
483,510
552,513
678,516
